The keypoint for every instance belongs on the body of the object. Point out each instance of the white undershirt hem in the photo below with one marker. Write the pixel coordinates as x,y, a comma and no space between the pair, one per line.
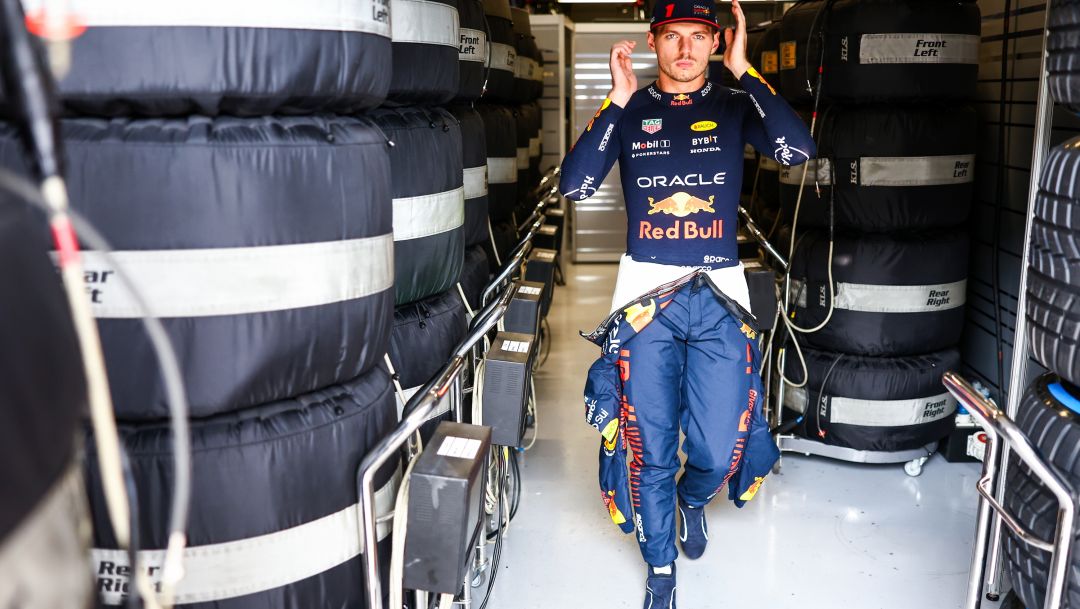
636,278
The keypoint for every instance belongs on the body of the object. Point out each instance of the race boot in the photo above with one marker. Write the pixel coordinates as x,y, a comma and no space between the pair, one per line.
660,588
694,534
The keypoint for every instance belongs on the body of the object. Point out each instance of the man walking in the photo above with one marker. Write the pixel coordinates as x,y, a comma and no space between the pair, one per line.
679,350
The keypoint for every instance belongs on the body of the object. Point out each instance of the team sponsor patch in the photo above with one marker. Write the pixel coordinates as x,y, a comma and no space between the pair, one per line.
652,125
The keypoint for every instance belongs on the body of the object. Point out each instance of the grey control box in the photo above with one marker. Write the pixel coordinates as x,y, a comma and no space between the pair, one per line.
507,370
523,314
540,267
446,494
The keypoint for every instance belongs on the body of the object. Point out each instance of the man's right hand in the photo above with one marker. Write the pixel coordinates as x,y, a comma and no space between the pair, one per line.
623,79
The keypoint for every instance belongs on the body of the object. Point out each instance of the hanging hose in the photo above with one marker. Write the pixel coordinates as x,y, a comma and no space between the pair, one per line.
802,185
494,246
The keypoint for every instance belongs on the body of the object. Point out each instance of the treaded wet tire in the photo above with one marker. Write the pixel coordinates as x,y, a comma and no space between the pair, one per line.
1054,278
1063,46
1054,429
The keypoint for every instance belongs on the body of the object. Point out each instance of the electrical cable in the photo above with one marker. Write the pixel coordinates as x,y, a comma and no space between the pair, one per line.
494,246
821,394
465,301
497,555
515,465
1003,138
533,410
172,568
545,333
400,530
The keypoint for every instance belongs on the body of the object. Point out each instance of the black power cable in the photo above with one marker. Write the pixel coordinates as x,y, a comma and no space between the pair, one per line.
496,557
995,266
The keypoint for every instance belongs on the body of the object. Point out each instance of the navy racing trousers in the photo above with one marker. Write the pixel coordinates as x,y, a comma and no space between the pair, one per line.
683,357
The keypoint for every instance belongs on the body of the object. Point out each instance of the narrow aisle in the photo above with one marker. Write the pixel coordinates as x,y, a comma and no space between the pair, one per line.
820,534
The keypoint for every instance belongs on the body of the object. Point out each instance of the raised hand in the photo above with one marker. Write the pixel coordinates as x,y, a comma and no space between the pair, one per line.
623,79
735,51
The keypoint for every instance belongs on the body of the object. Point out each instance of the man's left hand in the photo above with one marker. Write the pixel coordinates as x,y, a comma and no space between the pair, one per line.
735,51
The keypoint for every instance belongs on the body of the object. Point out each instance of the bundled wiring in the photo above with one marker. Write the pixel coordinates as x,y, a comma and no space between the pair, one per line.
533,412
500,534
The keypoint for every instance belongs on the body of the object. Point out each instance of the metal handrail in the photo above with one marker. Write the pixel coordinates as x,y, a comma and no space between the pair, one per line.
1018,368
999,425
760,237
419,409
516,258
541,205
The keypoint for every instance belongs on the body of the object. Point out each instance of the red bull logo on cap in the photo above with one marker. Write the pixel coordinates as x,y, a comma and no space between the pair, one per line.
681,204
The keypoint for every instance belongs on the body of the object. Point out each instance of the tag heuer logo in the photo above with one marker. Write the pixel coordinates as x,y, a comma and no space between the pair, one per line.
652,125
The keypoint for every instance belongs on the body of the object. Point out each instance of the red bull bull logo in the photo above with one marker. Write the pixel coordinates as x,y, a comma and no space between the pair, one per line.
613,510
750,492
681,204
752,72
607,102
748,331
682,99
639,315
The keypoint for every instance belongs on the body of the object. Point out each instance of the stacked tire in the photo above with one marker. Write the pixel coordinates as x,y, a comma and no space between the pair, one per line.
1048,413
511,117
879,268
441,195
234,166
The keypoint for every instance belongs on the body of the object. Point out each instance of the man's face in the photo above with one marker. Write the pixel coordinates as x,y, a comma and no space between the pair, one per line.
683,49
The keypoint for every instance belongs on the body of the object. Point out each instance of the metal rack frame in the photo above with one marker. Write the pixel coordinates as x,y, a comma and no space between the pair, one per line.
447,384
1003,435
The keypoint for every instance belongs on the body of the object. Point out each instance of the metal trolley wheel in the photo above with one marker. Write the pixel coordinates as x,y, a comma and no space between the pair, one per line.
914,467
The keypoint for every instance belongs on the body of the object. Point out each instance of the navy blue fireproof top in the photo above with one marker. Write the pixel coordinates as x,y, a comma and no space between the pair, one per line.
681,157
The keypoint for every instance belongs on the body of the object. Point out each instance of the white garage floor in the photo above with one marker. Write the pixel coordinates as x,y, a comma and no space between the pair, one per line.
820,534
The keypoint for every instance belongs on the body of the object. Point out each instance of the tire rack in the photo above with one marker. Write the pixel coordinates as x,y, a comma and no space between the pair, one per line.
447,384
1003,435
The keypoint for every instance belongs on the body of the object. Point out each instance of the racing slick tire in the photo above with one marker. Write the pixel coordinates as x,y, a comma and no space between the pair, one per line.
240,58
429,199
264,251
894,168
899,294
881,50
884,404
426,38
500,129
474,158
297,461
423,341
